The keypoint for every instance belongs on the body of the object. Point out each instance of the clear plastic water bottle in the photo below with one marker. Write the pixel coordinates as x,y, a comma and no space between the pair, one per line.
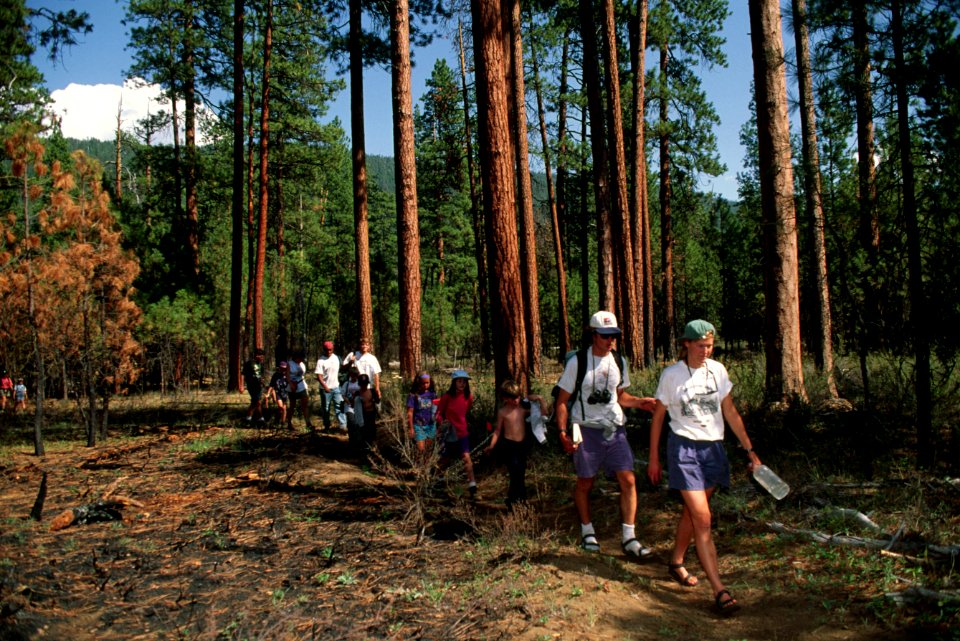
771,482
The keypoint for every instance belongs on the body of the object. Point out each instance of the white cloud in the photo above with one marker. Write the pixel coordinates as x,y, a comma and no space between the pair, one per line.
90,111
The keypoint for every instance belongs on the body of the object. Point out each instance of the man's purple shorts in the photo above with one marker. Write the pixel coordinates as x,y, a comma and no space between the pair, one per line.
595,453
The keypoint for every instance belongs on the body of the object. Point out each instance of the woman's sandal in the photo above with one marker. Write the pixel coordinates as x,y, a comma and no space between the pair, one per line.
589,543
726,606
687,581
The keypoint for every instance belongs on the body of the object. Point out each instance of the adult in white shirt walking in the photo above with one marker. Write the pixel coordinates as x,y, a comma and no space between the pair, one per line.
331,397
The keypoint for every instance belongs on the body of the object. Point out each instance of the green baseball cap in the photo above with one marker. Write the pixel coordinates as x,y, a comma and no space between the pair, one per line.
697,329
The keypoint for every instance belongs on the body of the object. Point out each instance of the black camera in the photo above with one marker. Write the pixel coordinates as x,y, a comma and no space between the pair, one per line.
599,396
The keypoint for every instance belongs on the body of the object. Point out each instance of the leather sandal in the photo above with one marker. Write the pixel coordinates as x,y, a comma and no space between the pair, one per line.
676,571
726,606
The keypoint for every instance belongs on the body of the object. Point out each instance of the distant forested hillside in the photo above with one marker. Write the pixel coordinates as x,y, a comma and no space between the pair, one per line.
102,150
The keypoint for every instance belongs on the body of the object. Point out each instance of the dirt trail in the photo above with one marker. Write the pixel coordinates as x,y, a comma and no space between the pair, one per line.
282,536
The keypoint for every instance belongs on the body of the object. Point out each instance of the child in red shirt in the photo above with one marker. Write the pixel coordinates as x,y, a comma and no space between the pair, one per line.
452,418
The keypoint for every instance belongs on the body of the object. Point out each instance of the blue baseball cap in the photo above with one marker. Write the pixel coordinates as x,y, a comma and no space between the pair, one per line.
460,373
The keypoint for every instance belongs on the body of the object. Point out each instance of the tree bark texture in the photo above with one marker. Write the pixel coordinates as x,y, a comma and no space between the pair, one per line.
668,328
866,151
528,232
476,212
563,325
639,194
813,197
598,147
784,371
405,163
867,190
118,157
252,232
190,141
235,345
358,137
583,237
499,197
918,299
620,216
264,149
562,153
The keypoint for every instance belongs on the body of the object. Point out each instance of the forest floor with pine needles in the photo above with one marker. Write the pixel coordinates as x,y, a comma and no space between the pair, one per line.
223,532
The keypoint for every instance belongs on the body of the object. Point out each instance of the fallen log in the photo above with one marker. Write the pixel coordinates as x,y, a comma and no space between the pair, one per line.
893,544
107,508
848,515
96,512
917,594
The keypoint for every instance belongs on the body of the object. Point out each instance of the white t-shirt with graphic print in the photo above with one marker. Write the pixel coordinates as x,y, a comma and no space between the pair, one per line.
693,398
601,374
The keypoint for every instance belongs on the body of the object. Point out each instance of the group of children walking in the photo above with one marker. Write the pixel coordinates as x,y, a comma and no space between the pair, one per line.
352,401
430,417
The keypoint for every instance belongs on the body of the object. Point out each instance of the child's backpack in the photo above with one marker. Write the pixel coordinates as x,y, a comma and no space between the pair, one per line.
581,355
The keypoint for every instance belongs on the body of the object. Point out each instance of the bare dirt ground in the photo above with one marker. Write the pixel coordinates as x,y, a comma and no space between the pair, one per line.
231,533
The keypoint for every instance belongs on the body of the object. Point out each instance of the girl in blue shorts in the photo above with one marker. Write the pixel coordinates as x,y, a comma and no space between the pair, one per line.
696,392
421,412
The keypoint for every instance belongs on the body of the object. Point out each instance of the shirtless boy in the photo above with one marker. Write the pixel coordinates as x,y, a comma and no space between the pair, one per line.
511,435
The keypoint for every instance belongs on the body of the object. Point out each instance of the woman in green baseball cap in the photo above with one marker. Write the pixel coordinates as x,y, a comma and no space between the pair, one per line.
696,392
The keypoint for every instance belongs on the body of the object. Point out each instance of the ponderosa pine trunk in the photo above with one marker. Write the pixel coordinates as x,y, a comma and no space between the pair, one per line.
235,345
813,197
784,370
499,185
528,232
118,157
177,163
918,299
867,190
264,149
667,342
563,324
591,72
638,195
252,232
360,212
405,164
190,142
630,342
476,213
583,236
562,160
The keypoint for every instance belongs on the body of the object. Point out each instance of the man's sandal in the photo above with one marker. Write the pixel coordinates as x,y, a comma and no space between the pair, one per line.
637,551
680,574
589,543
726,606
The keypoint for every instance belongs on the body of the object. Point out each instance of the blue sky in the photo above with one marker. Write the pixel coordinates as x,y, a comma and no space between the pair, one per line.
99,62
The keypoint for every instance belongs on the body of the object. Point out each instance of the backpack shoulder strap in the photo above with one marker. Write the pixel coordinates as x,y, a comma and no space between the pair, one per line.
621,362
581,373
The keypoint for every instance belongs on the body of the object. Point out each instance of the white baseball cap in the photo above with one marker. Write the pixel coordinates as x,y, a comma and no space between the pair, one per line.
604,323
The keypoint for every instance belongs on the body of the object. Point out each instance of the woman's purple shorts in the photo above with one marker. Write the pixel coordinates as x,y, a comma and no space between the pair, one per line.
696,465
